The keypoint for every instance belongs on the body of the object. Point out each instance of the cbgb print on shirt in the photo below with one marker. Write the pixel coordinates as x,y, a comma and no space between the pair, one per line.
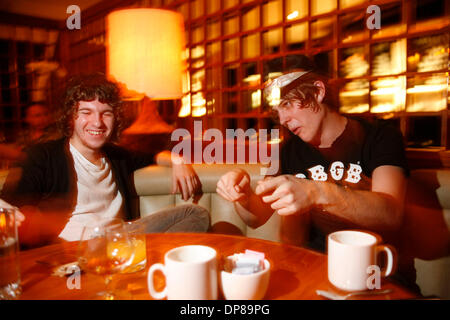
351,159
337,172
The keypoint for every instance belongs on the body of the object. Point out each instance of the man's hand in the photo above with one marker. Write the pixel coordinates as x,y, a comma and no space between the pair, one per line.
18,215
234,185
185,180
287,194
184,177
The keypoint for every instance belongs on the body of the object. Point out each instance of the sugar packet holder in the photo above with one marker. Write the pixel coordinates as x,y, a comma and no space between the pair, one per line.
245,263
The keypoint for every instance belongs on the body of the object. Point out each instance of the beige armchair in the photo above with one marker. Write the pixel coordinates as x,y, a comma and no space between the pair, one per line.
426,229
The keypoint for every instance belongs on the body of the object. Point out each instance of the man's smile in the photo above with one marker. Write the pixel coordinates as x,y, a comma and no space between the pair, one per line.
95,132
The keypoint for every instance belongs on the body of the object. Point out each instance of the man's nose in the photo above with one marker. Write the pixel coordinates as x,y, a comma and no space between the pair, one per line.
283,118
98,119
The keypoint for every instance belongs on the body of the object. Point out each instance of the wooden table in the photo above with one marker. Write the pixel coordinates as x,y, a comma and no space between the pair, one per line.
296,272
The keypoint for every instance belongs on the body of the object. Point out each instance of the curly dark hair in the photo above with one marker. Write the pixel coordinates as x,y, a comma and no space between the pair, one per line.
89,87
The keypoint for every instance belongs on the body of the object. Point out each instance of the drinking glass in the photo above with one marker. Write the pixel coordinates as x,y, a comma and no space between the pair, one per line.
136,234
105,249
9,256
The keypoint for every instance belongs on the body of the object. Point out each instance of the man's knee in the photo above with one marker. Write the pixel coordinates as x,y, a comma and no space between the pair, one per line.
198,216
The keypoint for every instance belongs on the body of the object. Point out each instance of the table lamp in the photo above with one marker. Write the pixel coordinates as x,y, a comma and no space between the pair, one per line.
144,54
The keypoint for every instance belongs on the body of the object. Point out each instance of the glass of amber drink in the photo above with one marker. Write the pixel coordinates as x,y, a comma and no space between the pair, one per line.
105,249
9,256
136,234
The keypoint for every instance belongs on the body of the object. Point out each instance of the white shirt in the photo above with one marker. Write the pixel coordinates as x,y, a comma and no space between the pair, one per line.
98,196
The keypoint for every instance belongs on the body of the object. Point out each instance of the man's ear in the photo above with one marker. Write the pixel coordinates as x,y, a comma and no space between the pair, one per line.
321,94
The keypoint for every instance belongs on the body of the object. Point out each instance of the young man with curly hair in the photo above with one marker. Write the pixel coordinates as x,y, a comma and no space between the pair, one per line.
66,184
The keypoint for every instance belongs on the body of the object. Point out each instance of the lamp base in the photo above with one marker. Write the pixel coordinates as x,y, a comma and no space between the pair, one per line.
148,120
146,142
149,132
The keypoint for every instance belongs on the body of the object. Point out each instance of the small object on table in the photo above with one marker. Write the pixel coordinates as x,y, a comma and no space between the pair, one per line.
334,296
245,276
245,263
66,269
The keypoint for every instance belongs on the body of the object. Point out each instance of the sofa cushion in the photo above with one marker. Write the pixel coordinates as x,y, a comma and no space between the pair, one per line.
153,180
153,186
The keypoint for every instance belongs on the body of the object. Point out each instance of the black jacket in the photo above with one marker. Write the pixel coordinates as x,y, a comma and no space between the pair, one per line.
46,179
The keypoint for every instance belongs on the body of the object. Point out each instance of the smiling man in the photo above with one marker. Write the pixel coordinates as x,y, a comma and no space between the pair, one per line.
92,128
66,184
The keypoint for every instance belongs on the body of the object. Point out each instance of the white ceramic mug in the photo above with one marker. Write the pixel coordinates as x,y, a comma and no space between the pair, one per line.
352,259
191,274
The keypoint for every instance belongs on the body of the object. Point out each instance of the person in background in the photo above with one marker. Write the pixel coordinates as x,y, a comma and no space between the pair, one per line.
336,172
65,184
40,126
9,153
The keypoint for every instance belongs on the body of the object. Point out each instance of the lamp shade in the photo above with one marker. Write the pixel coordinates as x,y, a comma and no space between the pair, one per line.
144,51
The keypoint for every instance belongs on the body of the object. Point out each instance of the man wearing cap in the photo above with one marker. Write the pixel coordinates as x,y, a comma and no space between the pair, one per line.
336,172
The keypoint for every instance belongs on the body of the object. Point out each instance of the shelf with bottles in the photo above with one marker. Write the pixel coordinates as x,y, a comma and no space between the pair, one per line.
354,62
407,74
380,95
352,27
428,53
410,94
323,32
427,93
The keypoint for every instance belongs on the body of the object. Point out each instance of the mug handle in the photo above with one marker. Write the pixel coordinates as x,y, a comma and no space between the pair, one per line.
391,262
156,294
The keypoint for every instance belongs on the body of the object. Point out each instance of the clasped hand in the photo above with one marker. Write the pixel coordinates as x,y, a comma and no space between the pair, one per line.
285,194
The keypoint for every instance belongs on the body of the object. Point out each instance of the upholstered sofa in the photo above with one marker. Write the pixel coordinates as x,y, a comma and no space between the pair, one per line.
426,227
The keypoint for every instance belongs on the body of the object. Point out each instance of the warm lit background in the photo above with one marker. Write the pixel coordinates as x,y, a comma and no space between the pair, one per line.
399,73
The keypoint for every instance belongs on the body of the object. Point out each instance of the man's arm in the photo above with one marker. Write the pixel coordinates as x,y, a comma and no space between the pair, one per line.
184,177
25,188
10,152
253,211
380,209
41,227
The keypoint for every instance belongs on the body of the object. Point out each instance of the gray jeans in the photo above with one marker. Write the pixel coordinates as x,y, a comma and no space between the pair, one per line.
184,218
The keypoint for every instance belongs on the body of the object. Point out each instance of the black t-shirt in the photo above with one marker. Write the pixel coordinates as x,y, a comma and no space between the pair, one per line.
349,162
